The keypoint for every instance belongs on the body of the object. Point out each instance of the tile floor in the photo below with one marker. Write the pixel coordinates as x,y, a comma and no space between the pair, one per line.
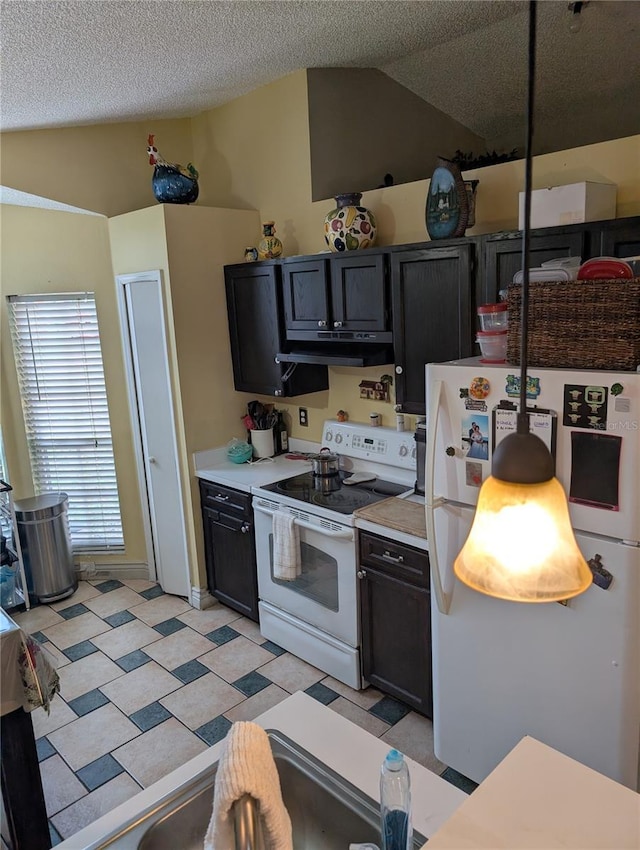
147,682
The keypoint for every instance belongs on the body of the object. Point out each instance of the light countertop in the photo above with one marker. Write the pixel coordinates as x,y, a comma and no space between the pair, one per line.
213,465
344,747
540,799
398,518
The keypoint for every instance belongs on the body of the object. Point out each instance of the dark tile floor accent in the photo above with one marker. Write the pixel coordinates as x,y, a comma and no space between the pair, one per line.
152,592
214,730
190,671
462,782
44,749
322,693
40,637
252,683
390,710
222,635
80,650
99,771
149,716
169,627
132,660
273,647
73,611
110,584
119,619
88,702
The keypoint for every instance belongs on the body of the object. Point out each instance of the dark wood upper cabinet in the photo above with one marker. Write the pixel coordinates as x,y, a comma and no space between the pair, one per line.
432,297
619,238
306,295
336,295
503,256
359,293
256,331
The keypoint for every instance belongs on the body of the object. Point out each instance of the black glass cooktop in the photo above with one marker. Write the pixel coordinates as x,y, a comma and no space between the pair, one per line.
331,492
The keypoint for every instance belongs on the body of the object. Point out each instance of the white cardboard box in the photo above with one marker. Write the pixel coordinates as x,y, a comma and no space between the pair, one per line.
570,204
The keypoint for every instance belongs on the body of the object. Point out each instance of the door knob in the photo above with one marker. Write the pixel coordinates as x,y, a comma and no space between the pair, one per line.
361,574
337,324
398,370
152,459
322,324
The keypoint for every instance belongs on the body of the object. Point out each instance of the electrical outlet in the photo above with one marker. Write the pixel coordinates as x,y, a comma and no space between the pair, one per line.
303,416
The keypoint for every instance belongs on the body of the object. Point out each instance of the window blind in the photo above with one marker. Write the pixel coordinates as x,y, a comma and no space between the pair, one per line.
59,364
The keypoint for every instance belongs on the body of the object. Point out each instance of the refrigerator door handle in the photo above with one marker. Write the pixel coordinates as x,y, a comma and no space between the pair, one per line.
443,600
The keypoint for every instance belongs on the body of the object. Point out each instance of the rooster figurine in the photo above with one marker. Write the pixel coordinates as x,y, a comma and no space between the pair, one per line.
172,183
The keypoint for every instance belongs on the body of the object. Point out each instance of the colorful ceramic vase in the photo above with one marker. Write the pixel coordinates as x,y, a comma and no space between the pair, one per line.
269,246
349,226
447,207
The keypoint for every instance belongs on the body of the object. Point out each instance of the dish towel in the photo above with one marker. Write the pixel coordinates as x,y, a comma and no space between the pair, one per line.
286,547
247,767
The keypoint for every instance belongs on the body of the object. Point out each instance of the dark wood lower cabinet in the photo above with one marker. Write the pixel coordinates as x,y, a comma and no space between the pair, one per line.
396,621
229,546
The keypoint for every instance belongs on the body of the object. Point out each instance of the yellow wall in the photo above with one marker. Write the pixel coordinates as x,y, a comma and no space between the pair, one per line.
190,245
103,168
48,252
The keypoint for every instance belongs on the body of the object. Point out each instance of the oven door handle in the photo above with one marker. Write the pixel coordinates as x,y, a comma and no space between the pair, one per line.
344,535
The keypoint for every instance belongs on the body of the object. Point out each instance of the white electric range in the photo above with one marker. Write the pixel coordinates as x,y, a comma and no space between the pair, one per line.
316,615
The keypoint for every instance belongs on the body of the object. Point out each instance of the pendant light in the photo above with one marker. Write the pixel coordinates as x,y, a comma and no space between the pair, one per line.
521,545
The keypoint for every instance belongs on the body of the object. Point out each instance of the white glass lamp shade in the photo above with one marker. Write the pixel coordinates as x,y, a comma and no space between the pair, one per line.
521,545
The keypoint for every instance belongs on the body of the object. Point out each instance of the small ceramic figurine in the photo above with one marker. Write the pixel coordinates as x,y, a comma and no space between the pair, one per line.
342,416
269,246
250,255
172,183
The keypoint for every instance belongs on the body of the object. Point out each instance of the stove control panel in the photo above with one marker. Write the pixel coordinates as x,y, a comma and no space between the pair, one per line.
383,445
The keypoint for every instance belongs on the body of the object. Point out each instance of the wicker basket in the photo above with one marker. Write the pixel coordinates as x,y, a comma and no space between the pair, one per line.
579,324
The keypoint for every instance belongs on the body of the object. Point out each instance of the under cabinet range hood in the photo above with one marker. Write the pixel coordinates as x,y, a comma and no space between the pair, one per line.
338,354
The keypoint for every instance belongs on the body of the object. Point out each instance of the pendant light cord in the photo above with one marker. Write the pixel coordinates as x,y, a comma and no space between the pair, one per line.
523,416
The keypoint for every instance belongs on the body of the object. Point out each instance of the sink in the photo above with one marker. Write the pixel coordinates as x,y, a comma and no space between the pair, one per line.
327,812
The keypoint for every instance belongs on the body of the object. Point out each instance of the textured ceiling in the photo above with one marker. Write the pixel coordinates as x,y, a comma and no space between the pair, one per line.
96,61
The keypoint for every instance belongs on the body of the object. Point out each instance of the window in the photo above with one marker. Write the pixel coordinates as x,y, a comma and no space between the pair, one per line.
64,400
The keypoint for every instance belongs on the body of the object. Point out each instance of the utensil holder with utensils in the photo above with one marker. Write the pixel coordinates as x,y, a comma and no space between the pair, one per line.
262,442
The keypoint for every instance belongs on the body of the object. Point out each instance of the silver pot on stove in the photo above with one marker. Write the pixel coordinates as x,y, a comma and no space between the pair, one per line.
325,462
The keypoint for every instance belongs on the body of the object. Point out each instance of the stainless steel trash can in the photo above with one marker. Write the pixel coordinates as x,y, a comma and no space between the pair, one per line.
43,526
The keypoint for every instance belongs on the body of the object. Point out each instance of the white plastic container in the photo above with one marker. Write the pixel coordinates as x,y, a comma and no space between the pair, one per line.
494,317
493,345
396,831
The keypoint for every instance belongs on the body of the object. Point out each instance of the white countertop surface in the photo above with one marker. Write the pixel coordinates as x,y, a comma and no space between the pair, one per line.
344,747
539,799
213,465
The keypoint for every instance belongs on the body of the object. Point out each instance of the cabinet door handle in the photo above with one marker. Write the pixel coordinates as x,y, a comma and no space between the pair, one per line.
322,323
399,370
361,574
337,324
397,559
220,498
278,392
245,527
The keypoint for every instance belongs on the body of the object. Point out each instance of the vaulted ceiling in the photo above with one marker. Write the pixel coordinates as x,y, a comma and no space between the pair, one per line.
91,61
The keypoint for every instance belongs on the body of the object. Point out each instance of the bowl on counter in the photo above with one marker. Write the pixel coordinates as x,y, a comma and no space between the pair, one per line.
239,451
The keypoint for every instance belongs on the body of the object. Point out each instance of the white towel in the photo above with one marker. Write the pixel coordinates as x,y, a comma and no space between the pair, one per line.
247,767
286,547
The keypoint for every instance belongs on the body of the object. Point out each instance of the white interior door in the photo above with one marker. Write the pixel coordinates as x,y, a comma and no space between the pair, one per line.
150,390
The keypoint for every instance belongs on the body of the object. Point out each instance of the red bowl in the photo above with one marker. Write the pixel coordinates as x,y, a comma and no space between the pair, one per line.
605,268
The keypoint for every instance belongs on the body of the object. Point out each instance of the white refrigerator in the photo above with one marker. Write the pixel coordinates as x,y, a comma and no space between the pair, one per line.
566,674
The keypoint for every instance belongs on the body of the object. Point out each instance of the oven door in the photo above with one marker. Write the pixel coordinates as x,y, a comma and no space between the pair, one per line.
325,593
